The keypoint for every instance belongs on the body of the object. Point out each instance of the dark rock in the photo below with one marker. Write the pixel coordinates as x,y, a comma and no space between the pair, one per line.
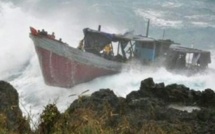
203,115
173,93
147,83
160,85
105,95
196,95
135,95
146,104
98,100
207,98
147,110
9,106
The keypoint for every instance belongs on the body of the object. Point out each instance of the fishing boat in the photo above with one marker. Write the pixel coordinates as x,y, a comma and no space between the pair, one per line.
66,66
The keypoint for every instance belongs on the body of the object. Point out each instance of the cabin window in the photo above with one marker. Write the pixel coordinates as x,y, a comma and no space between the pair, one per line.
149,45
189,57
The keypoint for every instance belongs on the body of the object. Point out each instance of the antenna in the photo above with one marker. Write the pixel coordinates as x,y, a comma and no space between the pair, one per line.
163,33
99,28
147,30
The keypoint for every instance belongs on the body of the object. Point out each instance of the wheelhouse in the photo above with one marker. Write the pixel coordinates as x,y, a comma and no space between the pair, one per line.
149,50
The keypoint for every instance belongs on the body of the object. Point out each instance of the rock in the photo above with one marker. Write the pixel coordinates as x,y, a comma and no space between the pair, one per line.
135,95
98,100
196,95
9,107
147,83
144,111
105,96
160,86
207,98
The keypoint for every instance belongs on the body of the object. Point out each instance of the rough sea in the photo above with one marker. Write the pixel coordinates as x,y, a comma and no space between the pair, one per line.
190,23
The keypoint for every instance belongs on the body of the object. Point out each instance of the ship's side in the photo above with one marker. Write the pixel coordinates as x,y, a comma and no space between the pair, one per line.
64,66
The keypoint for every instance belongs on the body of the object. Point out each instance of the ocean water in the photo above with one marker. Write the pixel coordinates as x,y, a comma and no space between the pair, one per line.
190,23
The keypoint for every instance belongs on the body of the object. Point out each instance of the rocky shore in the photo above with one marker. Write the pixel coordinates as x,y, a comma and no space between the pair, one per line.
11,119
153,109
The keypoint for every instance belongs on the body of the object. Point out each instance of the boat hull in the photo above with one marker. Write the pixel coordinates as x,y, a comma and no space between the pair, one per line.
64,66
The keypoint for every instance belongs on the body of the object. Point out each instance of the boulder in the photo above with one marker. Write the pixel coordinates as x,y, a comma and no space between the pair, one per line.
207,98
99,100
9,108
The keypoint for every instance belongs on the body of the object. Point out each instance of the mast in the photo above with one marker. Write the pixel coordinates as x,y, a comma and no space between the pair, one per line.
99,28
163,33
147,30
